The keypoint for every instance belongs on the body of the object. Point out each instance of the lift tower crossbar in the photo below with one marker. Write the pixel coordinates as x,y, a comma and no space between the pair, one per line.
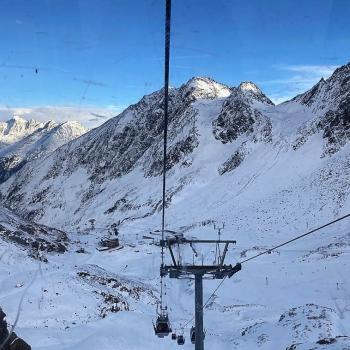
178,270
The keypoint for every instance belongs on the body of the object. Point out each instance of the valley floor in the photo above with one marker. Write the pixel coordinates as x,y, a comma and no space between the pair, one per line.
297,295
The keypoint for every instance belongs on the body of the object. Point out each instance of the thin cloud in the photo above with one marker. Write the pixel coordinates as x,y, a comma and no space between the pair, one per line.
98,116
295,79
323,70
277,99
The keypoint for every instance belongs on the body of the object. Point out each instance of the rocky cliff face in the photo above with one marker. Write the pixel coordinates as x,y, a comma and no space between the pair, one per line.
239,117
330,102
328,94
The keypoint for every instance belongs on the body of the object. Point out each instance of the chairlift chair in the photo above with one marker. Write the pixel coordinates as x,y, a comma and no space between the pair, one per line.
162,327
180,340
193,335
173,336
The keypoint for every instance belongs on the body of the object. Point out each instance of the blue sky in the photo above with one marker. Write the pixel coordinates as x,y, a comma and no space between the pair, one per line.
109,53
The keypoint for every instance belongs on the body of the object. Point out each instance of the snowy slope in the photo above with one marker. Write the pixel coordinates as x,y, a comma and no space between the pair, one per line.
31,237
269,172
107,299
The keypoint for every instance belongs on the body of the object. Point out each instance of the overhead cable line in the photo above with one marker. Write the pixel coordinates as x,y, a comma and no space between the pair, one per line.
268,251
165,138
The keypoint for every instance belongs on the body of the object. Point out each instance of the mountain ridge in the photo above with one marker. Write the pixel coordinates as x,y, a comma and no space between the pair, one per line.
202,112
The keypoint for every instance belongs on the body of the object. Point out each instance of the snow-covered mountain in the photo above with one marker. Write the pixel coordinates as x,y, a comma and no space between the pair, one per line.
17,128
269,172
203,115
31,140
330,101
217,135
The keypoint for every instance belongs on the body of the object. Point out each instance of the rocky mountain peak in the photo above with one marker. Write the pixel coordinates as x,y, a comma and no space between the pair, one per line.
50,124
17,128
341,72
251,90
18,119
204,88
73,124
249,86
309,97
71,129
328,94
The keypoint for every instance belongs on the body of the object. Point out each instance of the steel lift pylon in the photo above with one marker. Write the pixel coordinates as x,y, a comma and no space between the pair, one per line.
216,271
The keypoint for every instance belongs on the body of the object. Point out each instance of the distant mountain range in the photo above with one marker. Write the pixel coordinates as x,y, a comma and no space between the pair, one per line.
24,140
